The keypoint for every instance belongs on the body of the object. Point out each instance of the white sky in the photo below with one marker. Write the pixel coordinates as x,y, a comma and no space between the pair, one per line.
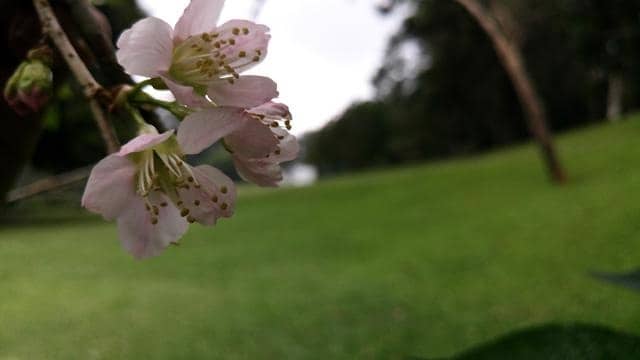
323,53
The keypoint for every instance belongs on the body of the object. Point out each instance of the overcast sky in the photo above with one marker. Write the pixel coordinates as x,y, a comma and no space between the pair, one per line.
323,53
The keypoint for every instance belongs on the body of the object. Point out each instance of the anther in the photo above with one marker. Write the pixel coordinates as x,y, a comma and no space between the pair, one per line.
214,198
196,203
191,219
190,179
245,31
224,206
224,189
154,220
235,31
164,204
184,212
242,54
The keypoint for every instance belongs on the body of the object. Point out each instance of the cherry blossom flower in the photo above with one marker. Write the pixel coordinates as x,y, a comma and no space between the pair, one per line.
257,138
153,194
199,61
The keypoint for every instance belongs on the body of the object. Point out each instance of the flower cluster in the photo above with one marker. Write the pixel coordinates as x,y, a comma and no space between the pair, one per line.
147,187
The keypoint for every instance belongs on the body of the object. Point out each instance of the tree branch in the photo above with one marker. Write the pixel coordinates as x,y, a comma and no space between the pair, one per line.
48,184
51,27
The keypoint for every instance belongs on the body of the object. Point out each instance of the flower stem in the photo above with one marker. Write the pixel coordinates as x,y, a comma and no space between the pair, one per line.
173,107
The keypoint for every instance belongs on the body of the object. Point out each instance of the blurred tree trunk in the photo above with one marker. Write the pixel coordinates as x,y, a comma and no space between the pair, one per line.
614,97
512,60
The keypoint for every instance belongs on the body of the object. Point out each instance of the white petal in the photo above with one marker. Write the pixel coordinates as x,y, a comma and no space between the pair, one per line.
246,92
201,129
288,146
199,17
213,198
110,187
272,109
249,39
258,171
146,48
253,140
142,238
185,95
144,142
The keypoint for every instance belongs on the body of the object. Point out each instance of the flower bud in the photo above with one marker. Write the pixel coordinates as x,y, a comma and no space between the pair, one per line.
30,86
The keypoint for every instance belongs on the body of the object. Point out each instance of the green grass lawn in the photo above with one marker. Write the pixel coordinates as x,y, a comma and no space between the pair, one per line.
422,261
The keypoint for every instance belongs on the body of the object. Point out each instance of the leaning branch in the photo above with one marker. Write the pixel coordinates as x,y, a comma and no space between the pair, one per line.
48,184
90,87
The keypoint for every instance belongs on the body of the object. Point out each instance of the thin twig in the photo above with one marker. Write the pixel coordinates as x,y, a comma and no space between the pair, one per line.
48,184
51,27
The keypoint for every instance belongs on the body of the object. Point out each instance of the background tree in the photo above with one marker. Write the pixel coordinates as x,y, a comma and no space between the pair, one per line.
446,93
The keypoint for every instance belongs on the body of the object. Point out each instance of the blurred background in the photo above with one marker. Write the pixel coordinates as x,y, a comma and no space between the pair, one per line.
465,166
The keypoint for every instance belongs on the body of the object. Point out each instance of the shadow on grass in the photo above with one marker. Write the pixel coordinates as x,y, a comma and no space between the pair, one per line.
556,341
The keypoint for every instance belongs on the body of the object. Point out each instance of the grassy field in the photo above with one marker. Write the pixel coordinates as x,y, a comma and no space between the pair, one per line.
420,261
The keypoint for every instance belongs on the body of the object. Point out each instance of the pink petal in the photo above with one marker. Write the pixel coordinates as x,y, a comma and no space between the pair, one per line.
258,171
110,187
250,42
199,17
146,48
201,129
289,147
246,92
252,140
143,142
214,196
143,239
271,109
186,95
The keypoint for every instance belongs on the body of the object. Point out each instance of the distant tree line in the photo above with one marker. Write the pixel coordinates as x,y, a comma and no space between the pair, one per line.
452,96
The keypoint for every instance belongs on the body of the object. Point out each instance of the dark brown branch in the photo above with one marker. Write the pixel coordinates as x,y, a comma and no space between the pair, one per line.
513,63
49,184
